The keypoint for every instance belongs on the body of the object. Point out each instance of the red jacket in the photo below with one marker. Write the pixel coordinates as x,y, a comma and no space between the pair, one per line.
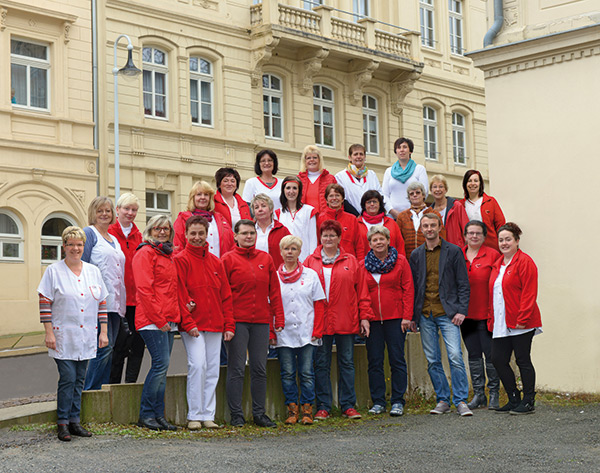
393,296
492,216
396,239
479,280
349,300
128,245
156,284
226,242
254,286
222,207
323,181
519,286
278,231
456,219
201,278
350,243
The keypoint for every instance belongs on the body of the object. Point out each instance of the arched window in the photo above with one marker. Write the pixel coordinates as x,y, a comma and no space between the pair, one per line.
459,133
154,63
52,229
370,124
324,120
430,144
201,91
273,106
11,237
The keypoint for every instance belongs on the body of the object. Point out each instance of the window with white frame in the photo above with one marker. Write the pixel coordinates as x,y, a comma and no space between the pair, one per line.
361,9
370,124
201,91
459,133
323,113
52,229
310,4
11,237
29,74
273,106
157,203
430,133
427,12
155,82
456,29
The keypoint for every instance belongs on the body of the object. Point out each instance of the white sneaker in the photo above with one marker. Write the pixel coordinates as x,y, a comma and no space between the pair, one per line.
377,409
442,408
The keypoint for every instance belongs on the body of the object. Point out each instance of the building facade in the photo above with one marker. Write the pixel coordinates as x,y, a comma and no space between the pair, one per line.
221,80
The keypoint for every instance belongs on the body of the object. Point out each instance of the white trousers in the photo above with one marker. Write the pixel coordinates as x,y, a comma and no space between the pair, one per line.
203,355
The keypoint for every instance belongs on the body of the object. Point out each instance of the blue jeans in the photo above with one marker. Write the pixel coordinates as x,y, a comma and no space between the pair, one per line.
429,327
345,356
99,368
387,333
71,374
298,361
159,345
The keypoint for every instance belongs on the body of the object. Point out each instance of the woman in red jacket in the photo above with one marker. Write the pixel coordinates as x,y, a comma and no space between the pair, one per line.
227,201
390,284
482,207
200,202
315,178
202,281
157,315
450,209
480,260
347,313
514,318
269,232
258,312
373,213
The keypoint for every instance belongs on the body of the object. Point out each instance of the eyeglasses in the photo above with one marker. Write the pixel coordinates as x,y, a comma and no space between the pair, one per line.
474,234
161,229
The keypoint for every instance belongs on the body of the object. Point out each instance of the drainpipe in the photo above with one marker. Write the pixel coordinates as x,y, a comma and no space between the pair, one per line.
498,20
95,88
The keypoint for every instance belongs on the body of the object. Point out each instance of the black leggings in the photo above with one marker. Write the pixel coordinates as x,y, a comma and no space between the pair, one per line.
502,348
477,338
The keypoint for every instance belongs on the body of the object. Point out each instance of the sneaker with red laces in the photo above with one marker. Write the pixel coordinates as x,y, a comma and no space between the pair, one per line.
322,414
352,413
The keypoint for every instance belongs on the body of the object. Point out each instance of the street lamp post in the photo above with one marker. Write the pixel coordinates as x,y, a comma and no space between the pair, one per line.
129,70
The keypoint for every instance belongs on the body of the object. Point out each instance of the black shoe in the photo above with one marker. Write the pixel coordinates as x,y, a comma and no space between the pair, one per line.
149,423
494,404
164,425
264,421
63,433
514,399
527,406
237,421
76,429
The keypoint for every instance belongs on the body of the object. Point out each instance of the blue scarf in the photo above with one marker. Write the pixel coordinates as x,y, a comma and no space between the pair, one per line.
374,265
403,175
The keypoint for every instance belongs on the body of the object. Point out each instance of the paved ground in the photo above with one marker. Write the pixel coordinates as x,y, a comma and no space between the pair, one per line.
554,439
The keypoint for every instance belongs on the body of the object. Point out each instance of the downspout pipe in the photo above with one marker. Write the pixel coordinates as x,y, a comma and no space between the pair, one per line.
95,89
488,39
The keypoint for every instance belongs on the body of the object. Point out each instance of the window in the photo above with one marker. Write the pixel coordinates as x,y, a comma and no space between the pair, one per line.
430,133
459,134
52,229
323,115
201,91
310,4
157,203
272,106
427,24
456,39
155,82
29,69
11,237
361,9
370,126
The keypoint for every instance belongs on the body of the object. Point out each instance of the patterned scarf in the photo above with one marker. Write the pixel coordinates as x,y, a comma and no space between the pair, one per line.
403,175
165,248
358,173
203,213
326,259
292,276
374,265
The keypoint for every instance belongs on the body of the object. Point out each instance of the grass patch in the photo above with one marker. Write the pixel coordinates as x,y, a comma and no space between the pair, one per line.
552,398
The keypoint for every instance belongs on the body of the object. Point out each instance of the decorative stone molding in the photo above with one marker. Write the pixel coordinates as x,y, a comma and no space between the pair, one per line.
3,13
160,181
309,68
91,167
362,74
66,31
38,174
260,56
401,86
137,142
79,195
185,149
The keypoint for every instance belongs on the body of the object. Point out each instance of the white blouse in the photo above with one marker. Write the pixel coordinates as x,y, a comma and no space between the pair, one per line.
254,186
355,188
75,302
302,225
473,209
213,238
394,191
262,238
299,308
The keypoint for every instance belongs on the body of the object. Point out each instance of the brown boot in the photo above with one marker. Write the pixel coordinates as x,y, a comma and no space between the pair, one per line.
307,416
292,413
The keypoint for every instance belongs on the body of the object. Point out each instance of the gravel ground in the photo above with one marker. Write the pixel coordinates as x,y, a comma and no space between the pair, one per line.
554,439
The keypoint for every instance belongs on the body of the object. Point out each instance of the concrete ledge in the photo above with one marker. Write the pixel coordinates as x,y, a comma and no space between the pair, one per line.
39,412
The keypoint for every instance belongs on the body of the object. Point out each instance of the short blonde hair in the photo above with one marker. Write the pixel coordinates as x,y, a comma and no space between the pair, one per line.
263,198
311,149
378,230
96,204
201,186
290,240
157,221
438,178
73,233
128,199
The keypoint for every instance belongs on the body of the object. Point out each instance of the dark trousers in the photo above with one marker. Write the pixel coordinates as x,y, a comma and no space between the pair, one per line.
130,346
477,338
502,348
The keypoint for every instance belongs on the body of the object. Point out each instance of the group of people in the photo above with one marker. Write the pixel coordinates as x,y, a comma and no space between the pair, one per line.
298,265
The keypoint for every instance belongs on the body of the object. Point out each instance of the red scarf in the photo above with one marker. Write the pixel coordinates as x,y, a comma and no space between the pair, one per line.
373,219
292,276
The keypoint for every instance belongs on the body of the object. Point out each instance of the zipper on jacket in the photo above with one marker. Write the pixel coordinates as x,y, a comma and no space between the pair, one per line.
379,297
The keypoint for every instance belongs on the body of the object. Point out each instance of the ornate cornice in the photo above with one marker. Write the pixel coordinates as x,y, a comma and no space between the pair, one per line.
361,75
401,86
260,56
